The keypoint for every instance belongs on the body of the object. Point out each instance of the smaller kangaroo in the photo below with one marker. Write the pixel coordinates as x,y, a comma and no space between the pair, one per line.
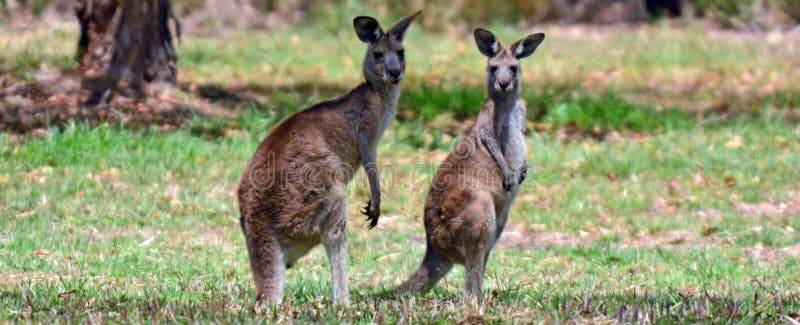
292,194
470,196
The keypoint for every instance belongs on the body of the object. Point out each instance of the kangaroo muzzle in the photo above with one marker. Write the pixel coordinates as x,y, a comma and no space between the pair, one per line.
393,71
503,86
503,80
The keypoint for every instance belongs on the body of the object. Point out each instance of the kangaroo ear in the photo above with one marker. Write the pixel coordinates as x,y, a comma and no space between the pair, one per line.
527,46
367,28
399,30
487,43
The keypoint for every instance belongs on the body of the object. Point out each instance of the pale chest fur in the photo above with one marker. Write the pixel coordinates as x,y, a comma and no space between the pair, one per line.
515,149
512,138
508,123
512,144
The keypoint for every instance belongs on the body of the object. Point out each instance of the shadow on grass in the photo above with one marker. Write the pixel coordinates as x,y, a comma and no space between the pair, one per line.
627,306
499,306
446,108
670,306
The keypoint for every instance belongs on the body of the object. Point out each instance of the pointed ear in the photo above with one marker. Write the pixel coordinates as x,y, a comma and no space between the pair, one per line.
487,43
399,30
367,28
527,46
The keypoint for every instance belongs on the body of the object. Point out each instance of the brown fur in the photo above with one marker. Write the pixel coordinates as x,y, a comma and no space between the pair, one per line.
292,194
470,196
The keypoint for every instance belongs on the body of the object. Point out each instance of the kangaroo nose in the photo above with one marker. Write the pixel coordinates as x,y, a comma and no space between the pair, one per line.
395,73
504,85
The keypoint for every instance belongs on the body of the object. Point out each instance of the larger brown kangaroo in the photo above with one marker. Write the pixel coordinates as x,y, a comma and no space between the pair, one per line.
471,193
292,194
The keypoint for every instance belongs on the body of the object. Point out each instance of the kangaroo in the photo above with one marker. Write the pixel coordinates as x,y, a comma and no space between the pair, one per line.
292,194
470,196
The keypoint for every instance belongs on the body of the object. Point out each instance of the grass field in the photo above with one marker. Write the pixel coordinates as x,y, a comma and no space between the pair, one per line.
645,201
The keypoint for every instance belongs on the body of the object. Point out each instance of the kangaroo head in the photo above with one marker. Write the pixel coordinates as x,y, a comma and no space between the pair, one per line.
385,60
503,72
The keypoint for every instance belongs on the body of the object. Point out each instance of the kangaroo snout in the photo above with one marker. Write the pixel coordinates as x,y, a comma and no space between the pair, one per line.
395,73
503,86
393,70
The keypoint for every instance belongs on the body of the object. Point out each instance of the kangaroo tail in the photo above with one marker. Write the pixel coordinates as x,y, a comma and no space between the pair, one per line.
433,268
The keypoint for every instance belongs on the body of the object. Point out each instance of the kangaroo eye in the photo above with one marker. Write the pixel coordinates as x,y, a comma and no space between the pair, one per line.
377,55
493,69
401,53
514,69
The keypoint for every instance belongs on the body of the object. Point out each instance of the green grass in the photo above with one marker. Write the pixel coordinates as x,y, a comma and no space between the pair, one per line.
682,217
106,224
612,113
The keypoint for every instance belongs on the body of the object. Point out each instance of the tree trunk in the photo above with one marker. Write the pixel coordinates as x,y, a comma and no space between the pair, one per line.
125,45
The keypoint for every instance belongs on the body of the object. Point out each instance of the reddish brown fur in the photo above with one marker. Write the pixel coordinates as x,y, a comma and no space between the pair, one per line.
471,194
292,194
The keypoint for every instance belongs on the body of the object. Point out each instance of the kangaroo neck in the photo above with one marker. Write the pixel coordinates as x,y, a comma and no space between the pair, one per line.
388,95
504,107
504,101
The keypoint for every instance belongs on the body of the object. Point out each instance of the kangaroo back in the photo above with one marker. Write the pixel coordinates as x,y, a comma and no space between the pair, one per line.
292,195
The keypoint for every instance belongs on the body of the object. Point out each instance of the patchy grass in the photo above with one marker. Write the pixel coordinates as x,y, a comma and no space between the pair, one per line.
678,215
24,52
655,65
692,225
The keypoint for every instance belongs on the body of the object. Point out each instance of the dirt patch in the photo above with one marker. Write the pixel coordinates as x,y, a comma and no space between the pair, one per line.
708,213
668,239
766,254
523,236
534,236
543,239
13,278
791,251
54,97
391,223
761,253
759,209
203,235
772,208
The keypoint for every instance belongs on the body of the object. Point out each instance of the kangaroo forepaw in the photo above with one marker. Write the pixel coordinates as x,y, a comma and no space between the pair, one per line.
373,213
372,222
365,210
509,182
523,174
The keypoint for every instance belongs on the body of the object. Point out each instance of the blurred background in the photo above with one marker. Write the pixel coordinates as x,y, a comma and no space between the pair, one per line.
663,137
698,56
752,15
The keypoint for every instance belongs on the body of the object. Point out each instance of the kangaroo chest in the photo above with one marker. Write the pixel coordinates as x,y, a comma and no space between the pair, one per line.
512,144
512,140
386,119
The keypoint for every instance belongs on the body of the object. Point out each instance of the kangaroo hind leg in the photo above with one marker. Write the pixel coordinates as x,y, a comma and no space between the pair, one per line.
269,267
334,238
479,233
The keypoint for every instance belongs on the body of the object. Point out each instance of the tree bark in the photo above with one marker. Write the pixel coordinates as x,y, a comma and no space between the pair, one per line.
124,45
